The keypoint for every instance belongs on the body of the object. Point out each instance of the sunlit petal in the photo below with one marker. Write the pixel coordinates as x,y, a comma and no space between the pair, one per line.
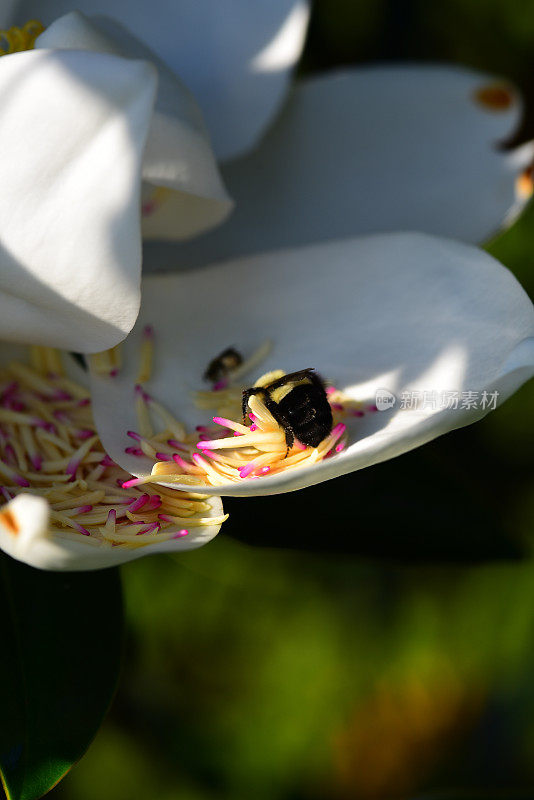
73,130
403,313
183,193
236,57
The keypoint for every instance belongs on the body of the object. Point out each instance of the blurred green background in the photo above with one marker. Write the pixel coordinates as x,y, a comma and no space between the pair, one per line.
371,638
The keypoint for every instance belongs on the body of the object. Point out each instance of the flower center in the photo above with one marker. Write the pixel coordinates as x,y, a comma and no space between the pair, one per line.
49,447
14,40
226,450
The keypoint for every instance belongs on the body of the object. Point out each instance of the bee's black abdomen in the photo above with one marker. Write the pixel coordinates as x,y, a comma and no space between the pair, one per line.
307,410
303,412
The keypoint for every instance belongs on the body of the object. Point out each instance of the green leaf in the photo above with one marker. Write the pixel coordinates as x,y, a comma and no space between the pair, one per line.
61,646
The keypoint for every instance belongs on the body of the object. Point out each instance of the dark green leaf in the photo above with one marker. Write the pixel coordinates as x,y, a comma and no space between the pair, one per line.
61,644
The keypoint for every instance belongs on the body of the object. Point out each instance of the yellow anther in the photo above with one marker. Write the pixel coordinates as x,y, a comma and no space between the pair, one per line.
34,28
16,39
107,362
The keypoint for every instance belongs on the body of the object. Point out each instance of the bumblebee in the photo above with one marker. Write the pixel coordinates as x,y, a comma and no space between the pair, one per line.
299,404
223,364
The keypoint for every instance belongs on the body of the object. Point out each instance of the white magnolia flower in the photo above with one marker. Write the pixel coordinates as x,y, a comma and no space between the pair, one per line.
405,314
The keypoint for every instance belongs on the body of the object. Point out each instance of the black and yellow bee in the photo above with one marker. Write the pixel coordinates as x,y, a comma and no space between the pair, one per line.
223,364
299,404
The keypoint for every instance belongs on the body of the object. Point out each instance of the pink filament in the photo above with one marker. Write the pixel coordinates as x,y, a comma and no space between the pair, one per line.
154,502
10,454
81,529
177,444
163,457
37,462
180,461
141,393
154,526
134,451
138,504
130,483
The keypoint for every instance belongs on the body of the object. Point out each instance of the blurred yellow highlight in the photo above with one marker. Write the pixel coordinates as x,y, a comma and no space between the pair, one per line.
15,40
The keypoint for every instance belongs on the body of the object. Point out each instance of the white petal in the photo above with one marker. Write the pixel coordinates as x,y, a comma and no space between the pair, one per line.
404,312
370,150
73,130
236,57
178,154
24,535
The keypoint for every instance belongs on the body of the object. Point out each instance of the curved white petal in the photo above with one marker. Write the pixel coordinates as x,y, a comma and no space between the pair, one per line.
178,154
402,312
375,149
73,130
235,56
24,535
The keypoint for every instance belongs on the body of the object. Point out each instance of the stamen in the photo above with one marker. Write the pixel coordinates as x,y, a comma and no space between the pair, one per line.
15,39
143,417
147,354
48,447
108,362
134,451
146,447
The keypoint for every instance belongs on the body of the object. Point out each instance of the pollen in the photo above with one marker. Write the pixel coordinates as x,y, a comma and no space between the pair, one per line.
49,447
14,40
9,521
525,184
495,97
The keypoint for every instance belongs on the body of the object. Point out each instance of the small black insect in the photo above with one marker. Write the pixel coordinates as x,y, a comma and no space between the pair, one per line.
224,363
299,404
